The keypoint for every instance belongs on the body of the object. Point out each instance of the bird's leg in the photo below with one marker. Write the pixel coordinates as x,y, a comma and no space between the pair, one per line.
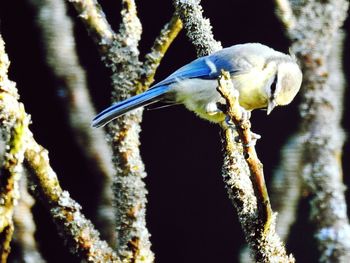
245,117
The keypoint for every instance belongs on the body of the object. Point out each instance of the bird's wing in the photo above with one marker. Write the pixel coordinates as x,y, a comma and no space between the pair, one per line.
208,67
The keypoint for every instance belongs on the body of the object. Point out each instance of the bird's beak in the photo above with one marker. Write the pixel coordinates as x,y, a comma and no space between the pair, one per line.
270,106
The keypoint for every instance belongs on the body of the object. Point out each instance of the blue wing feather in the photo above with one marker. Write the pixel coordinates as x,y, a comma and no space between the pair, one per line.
208,67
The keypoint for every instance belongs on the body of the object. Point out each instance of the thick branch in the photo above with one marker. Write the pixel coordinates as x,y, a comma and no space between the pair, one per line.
14,122
122,57
198,28
249,197
317,42
79,233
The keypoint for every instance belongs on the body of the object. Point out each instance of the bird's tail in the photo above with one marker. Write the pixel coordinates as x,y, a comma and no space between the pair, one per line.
148,97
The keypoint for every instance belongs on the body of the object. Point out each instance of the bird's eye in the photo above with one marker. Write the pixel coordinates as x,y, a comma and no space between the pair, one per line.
274,86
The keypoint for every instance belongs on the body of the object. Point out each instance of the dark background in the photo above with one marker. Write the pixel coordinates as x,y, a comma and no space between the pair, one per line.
189,215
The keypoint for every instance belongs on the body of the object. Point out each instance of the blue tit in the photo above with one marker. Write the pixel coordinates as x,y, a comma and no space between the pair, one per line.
264,78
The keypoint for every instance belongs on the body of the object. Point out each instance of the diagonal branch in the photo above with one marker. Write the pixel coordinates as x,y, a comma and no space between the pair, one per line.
90,12
78,232
285,13
158,50
236,114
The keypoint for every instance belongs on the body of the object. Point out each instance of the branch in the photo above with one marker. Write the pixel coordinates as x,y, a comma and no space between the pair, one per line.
318,44
286,187
75,228
122,57
160,47
285,13
90,12
248,196
235,171
61,56
198,29
78,232
25,246
236,114
14,122
285,191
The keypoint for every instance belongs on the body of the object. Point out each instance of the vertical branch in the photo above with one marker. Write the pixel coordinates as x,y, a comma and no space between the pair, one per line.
286,187
56,29
13,121
120,53
317,41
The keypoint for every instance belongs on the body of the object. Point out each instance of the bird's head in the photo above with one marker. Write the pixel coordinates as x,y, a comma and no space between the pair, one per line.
285,84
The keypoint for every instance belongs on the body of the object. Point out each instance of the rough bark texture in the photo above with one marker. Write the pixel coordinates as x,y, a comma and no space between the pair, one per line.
14,122
313,26
78,233
251,202
120,53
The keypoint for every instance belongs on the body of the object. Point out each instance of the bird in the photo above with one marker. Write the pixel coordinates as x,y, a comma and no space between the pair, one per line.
264,78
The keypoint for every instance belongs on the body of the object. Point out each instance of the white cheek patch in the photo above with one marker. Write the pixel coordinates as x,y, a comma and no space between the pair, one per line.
211,66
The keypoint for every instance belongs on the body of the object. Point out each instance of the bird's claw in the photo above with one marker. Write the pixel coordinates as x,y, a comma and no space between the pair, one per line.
253,139
229,122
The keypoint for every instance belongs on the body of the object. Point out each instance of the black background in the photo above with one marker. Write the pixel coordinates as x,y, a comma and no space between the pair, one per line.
188,214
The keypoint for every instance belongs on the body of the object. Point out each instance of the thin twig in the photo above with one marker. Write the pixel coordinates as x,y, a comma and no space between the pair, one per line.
14,122
257,222
90,12
61,56
158,50
285,13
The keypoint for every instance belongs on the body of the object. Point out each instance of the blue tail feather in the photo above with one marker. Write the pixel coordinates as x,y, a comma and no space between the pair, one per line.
148,97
